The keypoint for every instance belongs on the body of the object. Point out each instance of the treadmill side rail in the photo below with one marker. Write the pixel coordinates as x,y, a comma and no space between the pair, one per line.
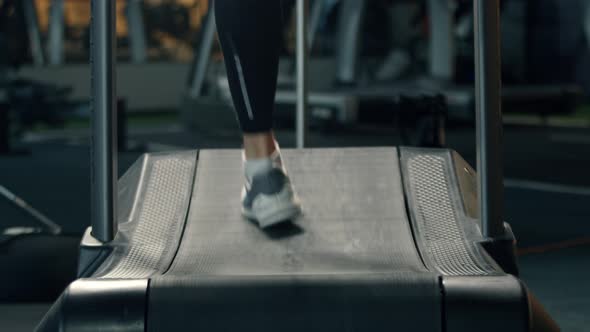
105,305
447,237
501,249
93,252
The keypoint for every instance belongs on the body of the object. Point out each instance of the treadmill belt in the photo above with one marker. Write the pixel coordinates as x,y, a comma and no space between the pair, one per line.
354,218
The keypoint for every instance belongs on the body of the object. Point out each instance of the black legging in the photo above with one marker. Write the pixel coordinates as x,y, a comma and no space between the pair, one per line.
250,32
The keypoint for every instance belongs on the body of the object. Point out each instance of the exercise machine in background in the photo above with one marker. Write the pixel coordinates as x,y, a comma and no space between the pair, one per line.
24,103
351,96
419,105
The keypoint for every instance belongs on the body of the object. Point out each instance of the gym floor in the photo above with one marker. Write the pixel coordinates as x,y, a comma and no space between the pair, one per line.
547,199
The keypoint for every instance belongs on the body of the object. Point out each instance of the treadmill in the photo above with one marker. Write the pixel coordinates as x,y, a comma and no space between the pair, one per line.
344,101
391,238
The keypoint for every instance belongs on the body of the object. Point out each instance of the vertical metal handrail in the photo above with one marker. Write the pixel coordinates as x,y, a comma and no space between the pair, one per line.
104,135
489,116
302,83
203,55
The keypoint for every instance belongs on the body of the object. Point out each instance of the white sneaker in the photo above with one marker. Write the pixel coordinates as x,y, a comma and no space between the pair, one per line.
269,198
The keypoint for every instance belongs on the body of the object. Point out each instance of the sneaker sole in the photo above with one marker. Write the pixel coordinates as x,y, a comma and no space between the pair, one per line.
275,217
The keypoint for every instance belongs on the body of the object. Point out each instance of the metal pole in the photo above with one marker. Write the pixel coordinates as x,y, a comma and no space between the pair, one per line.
350,26
302,57
32,22
104,138
136,31
441,39
203,54
314,21
53,227
587,22
489,116
56,33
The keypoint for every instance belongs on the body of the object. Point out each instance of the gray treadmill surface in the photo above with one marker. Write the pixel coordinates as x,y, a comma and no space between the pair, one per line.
354,218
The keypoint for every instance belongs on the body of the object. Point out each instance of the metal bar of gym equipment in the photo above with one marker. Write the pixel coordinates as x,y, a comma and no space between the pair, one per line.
489,116
441,40
203,54
350,22
314,21
32,22
55,35
302,83
103,104
137,38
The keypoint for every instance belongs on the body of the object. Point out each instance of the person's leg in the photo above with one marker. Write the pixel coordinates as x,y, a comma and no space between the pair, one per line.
250,33
250,36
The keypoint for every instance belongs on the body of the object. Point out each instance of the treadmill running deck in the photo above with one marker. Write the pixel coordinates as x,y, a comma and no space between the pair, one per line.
184,258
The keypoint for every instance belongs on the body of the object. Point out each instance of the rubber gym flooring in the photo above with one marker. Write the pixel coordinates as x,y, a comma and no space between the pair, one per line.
547,203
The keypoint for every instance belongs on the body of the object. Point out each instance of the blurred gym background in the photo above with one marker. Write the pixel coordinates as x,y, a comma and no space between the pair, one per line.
382,72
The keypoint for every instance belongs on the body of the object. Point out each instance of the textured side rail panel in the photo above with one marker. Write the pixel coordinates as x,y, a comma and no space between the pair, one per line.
444,235
149,236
